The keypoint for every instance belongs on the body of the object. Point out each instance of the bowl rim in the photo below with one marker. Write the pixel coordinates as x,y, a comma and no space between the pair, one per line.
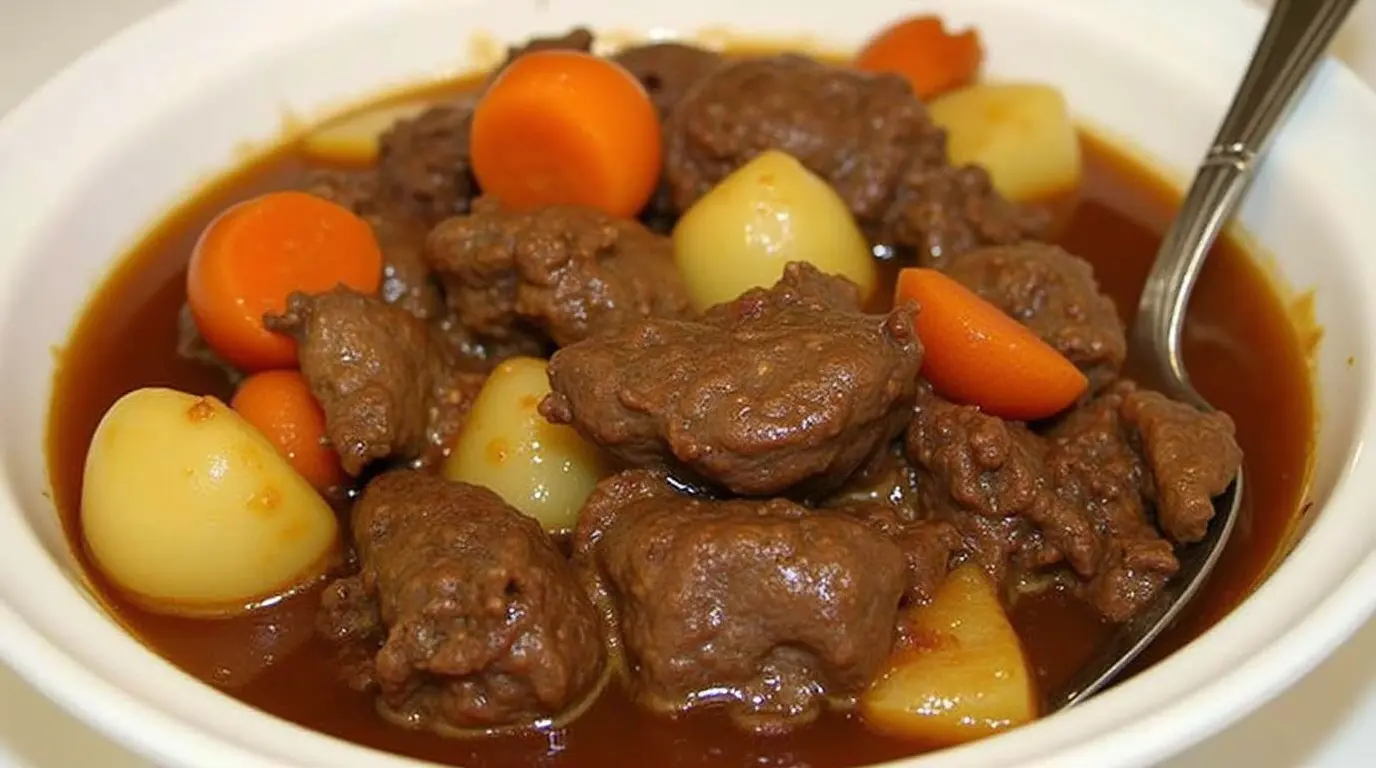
156,732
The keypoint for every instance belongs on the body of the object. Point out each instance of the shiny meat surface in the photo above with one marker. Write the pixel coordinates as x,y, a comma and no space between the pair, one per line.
561,272
464,616
782,390
773,610
389,387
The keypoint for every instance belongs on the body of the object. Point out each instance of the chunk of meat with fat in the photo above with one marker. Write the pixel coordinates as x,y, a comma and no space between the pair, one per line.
1055,295
780,390
767,607
565,272
389,388
464,616
866,134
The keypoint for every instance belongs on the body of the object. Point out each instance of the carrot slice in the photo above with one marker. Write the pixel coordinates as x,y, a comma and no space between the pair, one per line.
923,52
977,354
567,127
281,406
256,253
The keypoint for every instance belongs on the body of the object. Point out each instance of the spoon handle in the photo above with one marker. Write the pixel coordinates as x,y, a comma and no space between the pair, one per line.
1296,35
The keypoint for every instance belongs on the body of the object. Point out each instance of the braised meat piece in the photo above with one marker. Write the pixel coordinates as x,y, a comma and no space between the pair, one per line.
576,39
668,70
1055,295
562,272
464,616
1085,494
406,280
423,164
1192,458
779,390
988,478
866,134
767,607
389,388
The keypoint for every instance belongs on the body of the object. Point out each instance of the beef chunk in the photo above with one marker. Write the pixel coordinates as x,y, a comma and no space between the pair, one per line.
565,272
766,607
1054,294
464,616
866,134
988,478
1084,494
1095,467
927,545
423,164
389,388
1193,457
777,390
576,39
668,70
406,280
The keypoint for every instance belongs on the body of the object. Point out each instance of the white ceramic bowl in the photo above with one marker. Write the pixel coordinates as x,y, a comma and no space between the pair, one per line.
104,150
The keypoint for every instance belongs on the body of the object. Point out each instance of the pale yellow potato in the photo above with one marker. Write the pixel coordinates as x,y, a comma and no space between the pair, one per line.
962,674
191,511
353,139
767,213
1021,133
544,470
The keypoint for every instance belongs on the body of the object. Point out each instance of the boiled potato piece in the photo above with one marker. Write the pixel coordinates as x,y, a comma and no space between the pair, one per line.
353,139
544,470
1020,133
767,213
191,511
960,674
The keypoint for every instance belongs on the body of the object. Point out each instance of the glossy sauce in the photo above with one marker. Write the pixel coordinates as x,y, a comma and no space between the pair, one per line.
1243,352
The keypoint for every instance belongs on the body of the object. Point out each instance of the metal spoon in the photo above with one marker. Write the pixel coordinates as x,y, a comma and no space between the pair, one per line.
1296,35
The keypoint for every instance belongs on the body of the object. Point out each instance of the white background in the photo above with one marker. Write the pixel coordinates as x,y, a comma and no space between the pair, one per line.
1327,720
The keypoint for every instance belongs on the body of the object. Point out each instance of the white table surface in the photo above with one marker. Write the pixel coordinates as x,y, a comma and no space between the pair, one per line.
1327,720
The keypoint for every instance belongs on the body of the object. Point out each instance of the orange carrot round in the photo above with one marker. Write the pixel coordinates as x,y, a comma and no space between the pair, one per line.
281,406
923,52
978,355
253,255
566,127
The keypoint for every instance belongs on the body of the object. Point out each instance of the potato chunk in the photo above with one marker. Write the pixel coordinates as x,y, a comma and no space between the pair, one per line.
544,470
767,213
1020,133
959,674
191,511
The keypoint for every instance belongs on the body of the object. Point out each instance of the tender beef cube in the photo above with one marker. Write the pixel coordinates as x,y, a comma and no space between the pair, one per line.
1082,495
942,211
1054,294
1192,456
423,165
565,272
988,477
765,606
866,134
389,388
668,70
406,279
927,545
464,616
776,391
1095,467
